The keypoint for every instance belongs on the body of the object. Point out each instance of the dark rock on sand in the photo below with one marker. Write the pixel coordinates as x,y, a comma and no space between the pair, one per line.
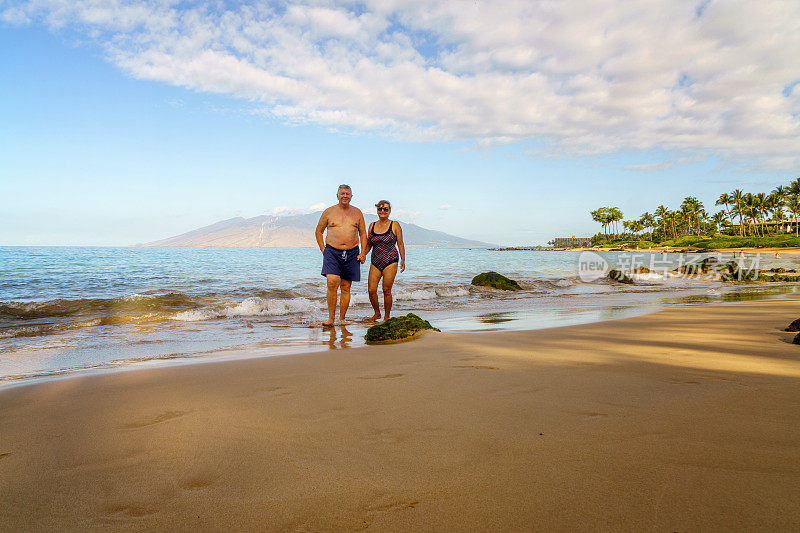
498,281
794,326
398,328
796,339
619,275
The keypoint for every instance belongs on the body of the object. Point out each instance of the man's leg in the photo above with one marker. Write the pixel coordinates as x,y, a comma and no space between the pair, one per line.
333,286
388,280
372,289
344,303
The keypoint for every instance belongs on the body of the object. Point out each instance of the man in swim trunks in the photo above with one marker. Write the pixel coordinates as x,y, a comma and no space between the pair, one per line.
341,255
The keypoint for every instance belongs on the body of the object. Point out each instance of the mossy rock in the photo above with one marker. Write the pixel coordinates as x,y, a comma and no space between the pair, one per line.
777,277
397,328
498,281
794,326
619,275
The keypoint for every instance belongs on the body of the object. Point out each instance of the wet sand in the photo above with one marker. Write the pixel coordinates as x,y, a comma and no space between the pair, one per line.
680,420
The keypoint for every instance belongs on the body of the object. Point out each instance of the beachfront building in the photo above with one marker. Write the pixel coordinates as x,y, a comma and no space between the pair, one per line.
787,225
571,242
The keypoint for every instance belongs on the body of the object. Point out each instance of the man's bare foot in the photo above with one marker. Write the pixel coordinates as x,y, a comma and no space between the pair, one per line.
343,322
327,324
373,318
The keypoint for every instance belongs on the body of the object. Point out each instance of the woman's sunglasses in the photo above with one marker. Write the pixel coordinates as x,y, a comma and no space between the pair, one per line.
384,209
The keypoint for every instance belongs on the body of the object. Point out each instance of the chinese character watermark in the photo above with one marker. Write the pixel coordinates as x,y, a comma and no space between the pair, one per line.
642,266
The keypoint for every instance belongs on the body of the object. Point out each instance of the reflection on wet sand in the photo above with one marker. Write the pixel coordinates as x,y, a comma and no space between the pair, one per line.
344,337
496,318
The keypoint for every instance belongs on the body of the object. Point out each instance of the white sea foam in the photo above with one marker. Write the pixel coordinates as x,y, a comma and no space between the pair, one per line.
649,276
431,293
194,315
250,307
137,296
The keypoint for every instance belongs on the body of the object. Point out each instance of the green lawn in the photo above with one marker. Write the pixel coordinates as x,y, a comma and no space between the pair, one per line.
776,241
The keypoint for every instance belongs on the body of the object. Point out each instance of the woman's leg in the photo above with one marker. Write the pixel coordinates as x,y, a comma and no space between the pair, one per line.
388,280
372,289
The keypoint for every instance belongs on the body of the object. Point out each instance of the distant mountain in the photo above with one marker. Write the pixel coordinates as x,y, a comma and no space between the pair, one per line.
297,231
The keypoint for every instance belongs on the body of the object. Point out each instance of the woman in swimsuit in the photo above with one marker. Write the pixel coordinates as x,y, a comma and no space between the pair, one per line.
383,235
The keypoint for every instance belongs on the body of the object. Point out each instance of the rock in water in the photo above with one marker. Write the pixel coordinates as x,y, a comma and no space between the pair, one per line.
619,275
794,326
398,328
498,281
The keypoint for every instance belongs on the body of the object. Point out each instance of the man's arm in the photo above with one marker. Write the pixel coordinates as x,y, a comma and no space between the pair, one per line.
362,233
321,225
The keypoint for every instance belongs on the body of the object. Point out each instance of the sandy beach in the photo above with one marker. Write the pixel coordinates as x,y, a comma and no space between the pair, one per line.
686,419
678,249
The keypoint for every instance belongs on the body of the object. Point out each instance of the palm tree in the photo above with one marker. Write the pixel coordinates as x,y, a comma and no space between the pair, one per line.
686,209
719,219
794,187
601,216
749,207
661,213
693,211
616,216
777,200
724,199
793,205
761,206
672,217
737,197
647,221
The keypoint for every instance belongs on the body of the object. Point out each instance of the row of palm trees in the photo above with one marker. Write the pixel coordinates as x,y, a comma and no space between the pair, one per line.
745,214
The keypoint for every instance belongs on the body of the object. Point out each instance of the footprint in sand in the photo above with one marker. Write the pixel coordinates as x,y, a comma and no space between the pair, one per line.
163,417
197,482
393,506
385,376
121,511
587,414
4,454
478,367
374,511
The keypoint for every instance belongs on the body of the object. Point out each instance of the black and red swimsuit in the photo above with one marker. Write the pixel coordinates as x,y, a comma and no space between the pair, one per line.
384,251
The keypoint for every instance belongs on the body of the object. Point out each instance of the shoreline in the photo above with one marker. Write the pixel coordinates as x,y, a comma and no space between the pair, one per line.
686,418
338,340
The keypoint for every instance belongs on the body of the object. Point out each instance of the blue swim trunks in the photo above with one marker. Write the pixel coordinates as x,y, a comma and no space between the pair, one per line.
342,263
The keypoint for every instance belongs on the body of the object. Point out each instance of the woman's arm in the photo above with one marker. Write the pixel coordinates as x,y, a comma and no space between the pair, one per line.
400,246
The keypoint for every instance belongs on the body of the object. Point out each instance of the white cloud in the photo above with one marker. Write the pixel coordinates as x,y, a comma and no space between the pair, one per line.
283,211
579,77
404,214
662,165
445,207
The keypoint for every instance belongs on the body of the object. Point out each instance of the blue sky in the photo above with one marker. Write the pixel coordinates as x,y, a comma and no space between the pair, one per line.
113,132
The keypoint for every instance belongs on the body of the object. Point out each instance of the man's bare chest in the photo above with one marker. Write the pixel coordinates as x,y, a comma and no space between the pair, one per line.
343,221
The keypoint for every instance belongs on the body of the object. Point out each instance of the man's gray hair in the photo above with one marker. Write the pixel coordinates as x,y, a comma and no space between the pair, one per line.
344,186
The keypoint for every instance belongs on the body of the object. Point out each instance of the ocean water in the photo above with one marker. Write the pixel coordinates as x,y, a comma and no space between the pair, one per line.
65,310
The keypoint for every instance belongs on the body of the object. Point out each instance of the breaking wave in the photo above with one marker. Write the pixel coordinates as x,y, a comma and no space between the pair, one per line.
254,306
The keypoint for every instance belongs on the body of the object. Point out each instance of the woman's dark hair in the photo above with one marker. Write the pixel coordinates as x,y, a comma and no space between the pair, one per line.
384,202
